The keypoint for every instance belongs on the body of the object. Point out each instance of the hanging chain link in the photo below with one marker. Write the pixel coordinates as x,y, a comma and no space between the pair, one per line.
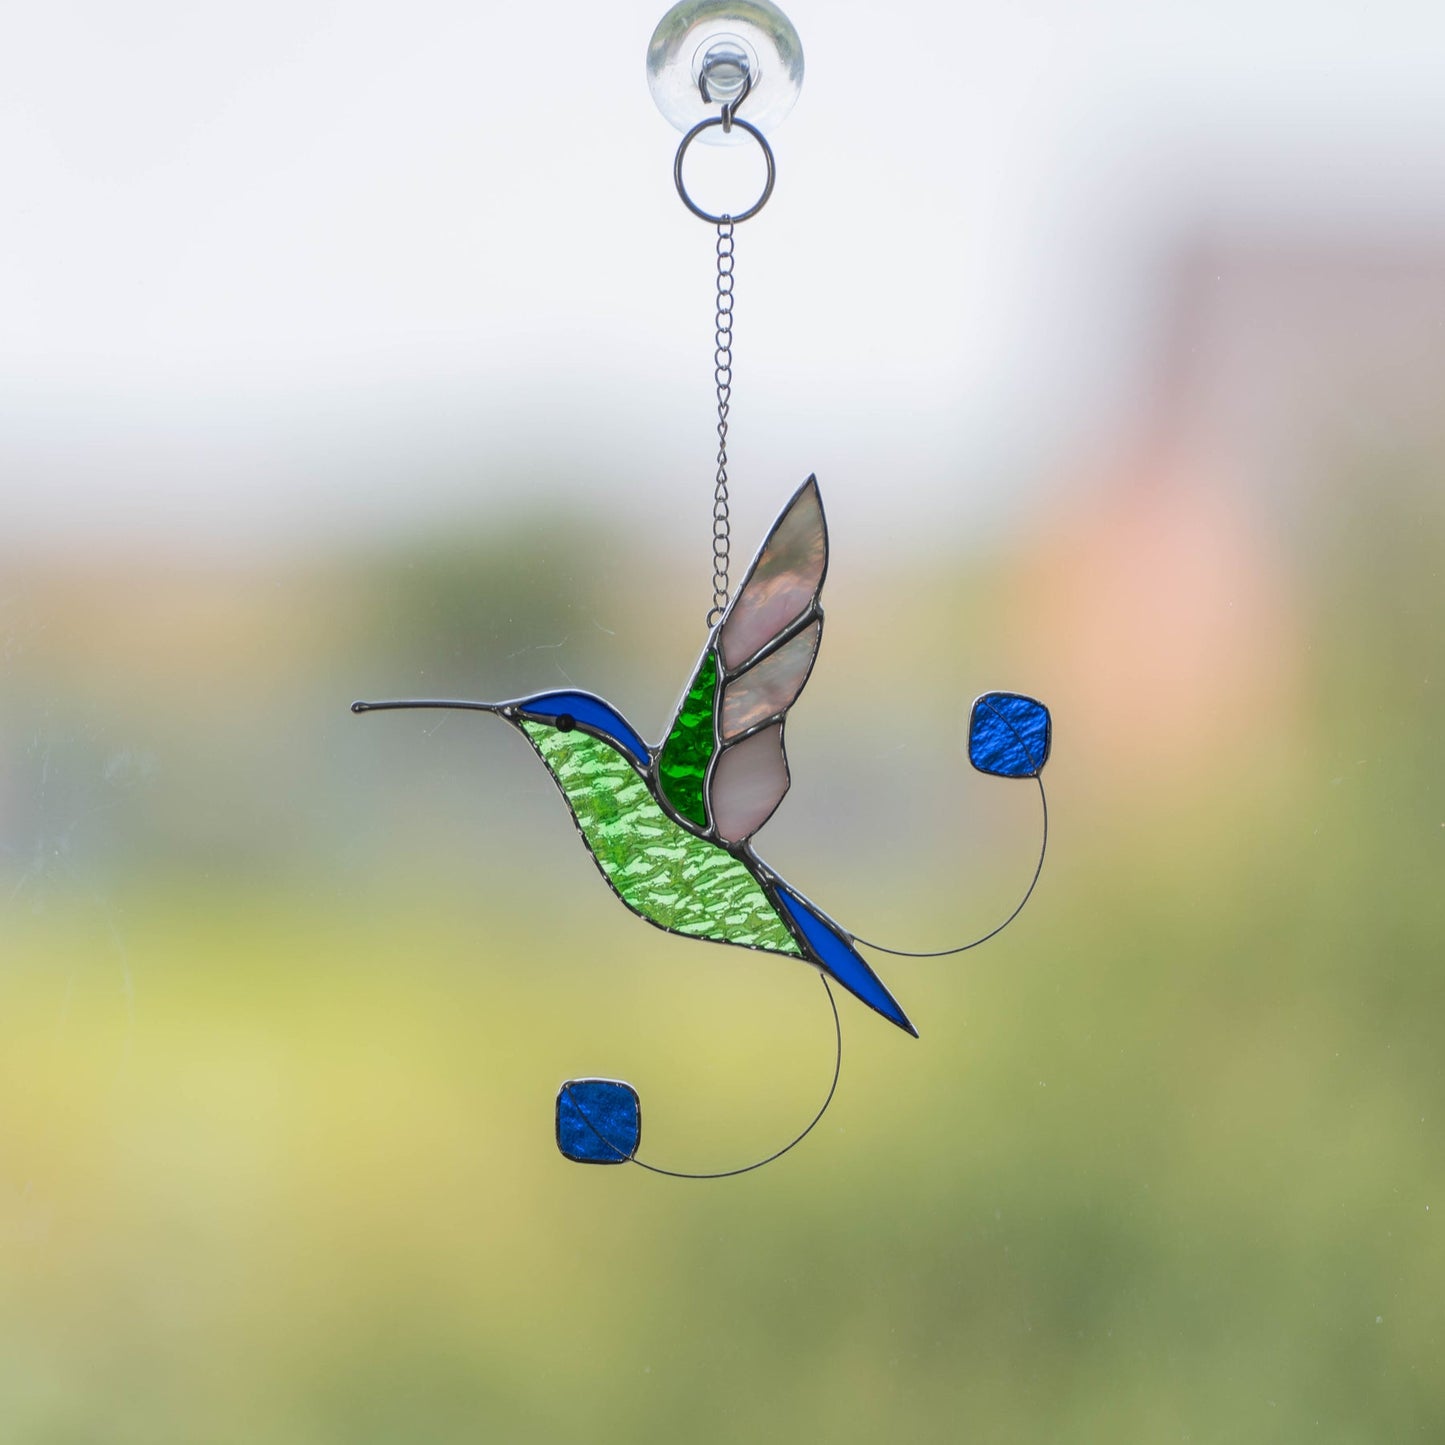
723,376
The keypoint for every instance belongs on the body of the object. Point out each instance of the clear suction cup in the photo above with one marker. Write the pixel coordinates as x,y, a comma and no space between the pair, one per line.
717,49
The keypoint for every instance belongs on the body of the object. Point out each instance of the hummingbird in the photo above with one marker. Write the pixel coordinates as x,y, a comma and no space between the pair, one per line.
670,827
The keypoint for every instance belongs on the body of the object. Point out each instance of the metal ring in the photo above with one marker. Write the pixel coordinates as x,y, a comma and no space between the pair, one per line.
738,123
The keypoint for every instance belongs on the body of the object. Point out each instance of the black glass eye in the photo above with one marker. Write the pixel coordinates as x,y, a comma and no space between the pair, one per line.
565,722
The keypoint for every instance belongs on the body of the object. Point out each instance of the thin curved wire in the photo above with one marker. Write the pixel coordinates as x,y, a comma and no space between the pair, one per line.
746,1168
993,932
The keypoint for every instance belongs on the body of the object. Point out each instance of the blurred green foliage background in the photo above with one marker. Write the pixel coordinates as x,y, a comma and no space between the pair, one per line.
287,995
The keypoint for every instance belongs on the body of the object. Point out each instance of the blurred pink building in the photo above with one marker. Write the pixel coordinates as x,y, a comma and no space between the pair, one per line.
1288,371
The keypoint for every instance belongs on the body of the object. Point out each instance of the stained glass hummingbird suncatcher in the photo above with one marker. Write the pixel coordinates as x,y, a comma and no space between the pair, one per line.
671,827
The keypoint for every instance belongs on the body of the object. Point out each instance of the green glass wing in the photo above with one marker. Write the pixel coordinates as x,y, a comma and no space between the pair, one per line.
669,876
682,763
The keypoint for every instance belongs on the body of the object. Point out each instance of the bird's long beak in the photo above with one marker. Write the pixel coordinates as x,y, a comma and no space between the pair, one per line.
427,702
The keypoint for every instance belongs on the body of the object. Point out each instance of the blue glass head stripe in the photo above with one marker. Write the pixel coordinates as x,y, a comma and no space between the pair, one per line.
841,959
592,713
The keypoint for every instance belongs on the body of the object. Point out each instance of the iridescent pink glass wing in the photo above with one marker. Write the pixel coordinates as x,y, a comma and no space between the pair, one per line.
748,782
783,582
769,687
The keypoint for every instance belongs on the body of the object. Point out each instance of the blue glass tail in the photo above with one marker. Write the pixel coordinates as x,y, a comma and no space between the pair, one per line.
839,958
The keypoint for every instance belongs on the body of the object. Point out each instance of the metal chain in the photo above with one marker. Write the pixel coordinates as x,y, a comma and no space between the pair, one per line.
723,375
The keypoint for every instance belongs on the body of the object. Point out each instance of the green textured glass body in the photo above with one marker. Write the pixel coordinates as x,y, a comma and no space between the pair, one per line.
661,871
682,764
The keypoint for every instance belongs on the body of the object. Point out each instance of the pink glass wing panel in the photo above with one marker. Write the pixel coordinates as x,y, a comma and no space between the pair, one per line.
748,782
783,581
770,686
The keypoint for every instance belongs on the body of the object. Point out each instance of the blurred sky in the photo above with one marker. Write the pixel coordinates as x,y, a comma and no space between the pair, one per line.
277,271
